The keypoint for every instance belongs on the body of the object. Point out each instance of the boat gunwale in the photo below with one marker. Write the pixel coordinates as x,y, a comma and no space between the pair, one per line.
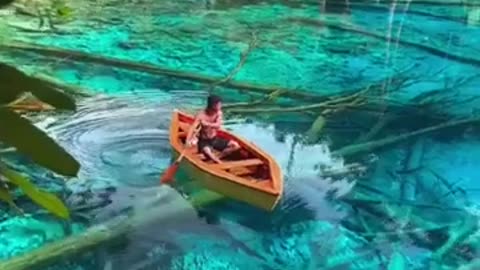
276,180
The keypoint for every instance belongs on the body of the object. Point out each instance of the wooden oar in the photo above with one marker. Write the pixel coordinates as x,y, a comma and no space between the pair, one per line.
170,172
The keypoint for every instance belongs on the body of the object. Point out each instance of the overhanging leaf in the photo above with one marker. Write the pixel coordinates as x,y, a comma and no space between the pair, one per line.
4,3
14,82
46,200
31,141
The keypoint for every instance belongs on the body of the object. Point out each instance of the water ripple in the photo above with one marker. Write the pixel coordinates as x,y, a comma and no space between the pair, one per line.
121,140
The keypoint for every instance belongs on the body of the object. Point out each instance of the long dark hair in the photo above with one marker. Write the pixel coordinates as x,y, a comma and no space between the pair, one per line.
212,100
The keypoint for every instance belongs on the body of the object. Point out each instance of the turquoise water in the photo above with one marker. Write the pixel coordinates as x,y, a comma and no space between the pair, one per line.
415,207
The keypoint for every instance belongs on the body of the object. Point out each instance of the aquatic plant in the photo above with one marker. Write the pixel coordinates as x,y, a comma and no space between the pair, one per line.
28,140
48,12
4,3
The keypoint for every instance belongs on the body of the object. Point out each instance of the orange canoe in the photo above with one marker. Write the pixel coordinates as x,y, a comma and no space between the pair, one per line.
250,175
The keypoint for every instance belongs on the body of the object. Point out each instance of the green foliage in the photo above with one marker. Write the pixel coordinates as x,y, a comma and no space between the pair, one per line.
6,32
15,82
45,199
7,197
4,3
31,141
20,133
61,9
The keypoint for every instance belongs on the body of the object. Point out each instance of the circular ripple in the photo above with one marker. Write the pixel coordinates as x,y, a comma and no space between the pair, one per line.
123,139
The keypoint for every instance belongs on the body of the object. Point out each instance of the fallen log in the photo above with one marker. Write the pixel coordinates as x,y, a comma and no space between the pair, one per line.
314,133
456,236
384,8
168,205
417,227
349,169
459,3
409,183
152,69
382,122
353,29
475,264
372,145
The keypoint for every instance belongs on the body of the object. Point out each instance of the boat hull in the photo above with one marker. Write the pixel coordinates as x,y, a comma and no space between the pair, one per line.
233,190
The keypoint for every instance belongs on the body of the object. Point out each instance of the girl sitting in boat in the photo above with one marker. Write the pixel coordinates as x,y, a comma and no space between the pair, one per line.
210,120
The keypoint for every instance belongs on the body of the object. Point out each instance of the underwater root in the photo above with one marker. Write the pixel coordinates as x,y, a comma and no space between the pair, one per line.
372,145
352,29
152,69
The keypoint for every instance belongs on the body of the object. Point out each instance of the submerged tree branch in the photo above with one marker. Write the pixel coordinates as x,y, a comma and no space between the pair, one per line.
332,105
152,69
372,145
171,204
251,46
352,29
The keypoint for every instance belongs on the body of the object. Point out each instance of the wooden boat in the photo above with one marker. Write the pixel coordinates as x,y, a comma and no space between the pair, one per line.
249,175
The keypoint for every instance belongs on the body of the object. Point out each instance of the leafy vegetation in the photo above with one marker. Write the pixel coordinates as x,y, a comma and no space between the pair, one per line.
4,3
49,12
28,140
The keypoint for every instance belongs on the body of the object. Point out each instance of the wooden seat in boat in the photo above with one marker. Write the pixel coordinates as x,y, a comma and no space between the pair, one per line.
238,163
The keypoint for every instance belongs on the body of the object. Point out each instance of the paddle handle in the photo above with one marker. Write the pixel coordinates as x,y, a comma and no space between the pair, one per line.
186,148
181,156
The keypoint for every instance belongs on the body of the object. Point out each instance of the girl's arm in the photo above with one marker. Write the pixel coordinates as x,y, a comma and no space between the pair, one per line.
193,127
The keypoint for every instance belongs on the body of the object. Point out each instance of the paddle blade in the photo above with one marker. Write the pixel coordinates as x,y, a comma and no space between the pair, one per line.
169,174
